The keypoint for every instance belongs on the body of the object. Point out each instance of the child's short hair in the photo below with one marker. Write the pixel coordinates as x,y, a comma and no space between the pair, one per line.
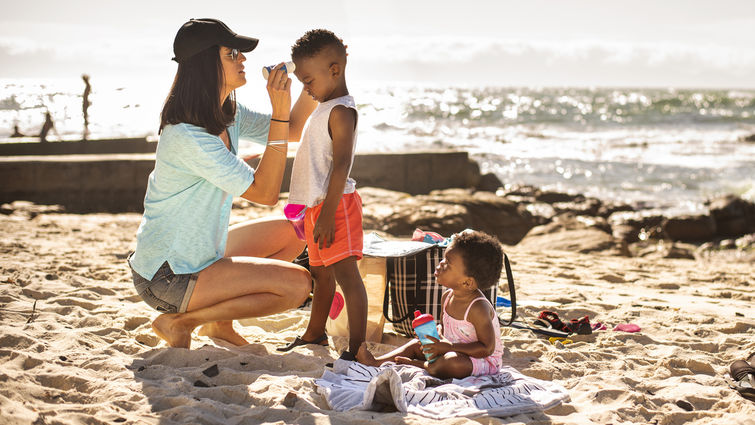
482,255
313,41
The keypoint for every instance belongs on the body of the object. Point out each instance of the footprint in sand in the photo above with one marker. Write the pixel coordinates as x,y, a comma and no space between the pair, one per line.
102,291
134,323
74,302
31,363
613,278
148,339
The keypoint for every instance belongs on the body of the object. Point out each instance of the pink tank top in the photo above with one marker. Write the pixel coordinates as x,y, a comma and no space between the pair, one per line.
463,331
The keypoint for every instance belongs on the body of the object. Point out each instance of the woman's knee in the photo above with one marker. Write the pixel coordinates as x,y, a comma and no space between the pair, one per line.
300,286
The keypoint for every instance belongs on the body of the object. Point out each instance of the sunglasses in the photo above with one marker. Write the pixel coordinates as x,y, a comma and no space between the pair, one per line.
234,55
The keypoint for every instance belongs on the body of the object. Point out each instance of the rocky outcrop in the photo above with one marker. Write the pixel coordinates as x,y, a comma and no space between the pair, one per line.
733,216
570,232
446,212
632,226
536,220
690,228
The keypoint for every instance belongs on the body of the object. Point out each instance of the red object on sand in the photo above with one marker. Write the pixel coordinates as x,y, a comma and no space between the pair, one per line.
337,306
627,327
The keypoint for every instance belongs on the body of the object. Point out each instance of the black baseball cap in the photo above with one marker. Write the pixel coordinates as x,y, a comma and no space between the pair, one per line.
199,34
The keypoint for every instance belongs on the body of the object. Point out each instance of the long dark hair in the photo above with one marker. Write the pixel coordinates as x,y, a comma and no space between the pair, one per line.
194,97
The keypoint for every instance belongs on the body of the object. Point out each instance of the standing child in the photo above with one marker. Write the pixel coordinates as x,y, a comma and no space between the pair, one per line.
470,333
320,181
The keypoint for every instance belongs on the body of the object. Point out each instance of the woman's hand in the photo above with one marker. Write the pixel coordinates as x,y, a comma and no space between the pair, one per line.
279,89
438,348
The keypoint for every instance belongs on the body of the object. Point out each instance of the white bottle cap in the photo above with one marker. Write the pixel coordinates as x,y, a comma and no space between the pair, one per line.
289,67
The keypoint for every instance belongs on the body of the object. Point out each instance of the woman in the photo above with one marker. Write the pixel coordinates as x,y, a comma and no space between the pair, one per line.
188,264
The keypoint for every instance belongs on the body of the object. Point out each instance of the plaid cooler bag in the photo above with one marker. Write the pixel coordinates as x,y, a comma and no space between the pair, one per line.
411,286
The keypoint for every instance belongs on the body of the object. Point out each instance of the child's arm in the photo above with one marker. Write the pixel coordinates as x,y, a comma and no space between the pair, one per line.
299,113
480,316
341,124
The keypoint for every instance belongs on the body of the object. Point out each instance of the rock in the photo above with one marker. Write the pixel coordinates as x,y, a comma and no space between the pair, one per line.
570,221
446,212
568,232
542,212
30,209
634,226
553,197
733,216
750,138
211,371
489,183
727,244
746,243
290,399
689,228
587,240
663,249
608,208
589,206
521,190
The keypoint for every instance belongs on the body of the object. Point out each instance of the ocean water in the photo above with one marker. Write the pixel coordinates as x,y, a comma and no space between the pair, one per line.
670,149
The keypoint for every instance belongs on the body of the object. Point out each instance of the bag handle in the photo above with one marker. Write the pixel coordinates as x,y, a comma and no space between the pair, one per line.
512,292
386,300
388,283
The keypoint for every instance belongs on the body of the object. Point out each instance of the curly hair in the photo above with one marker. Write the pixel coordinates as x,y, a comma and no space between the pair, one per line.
314,41
482,255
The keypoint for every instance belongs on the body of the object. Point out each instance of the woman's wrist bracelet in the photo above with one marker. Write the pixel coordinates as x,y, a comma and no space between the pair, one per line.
276,120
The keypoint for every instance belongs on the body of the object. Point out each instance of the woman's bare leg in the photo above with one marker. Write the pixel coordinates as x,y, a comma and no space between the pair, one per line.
267,237
236,288
241,286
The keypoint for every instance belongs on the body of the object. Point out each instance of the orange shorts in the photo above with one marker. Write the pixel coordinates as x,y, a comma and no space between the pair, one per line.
347,241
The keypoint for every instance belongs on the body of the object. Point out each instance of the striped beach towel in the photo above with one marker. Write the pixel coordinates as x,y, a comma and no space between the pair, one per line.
354,386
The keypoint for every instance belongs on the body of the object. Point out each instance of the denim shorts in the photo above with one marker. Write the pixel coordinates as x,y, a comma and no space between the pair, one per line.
167,292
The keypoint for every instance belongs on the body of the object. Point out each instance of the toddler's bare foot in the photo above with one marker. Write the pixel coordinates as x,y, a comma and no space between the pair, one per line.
168,327
222,330
365,357
407,360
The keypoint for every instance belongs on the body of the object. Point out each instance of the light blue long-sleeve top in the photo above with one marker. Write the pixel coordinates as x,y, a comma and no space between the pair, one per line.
187,206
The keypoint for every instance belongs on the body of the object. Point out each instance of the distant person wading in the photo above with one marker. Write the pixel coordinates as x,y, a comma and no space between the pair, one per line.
85,105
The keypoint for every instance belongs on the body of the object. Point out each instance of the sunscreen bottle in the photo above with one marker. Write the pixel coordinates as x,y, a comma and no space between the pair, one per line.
288,67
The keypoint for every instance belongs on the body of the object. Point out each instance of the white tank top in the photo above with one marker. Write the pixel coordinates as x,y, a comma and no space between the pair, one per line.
313,164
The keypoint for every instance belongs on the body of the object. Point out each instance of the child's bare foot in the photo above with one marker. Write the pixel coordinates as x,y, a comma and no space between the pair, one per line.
222,330
407,360
168,327
365,357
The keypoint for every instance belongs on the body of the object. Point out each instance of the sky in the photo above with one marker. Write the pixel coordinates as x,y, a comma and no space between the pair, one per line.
585,43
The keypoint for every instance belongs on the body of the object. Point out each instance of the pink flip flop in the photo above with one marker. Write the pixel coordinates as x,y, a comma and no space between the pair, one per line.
337,306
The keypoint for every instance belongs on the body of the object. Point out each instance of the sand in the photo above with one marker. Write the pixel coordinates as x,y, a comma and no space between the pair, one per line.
86,353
